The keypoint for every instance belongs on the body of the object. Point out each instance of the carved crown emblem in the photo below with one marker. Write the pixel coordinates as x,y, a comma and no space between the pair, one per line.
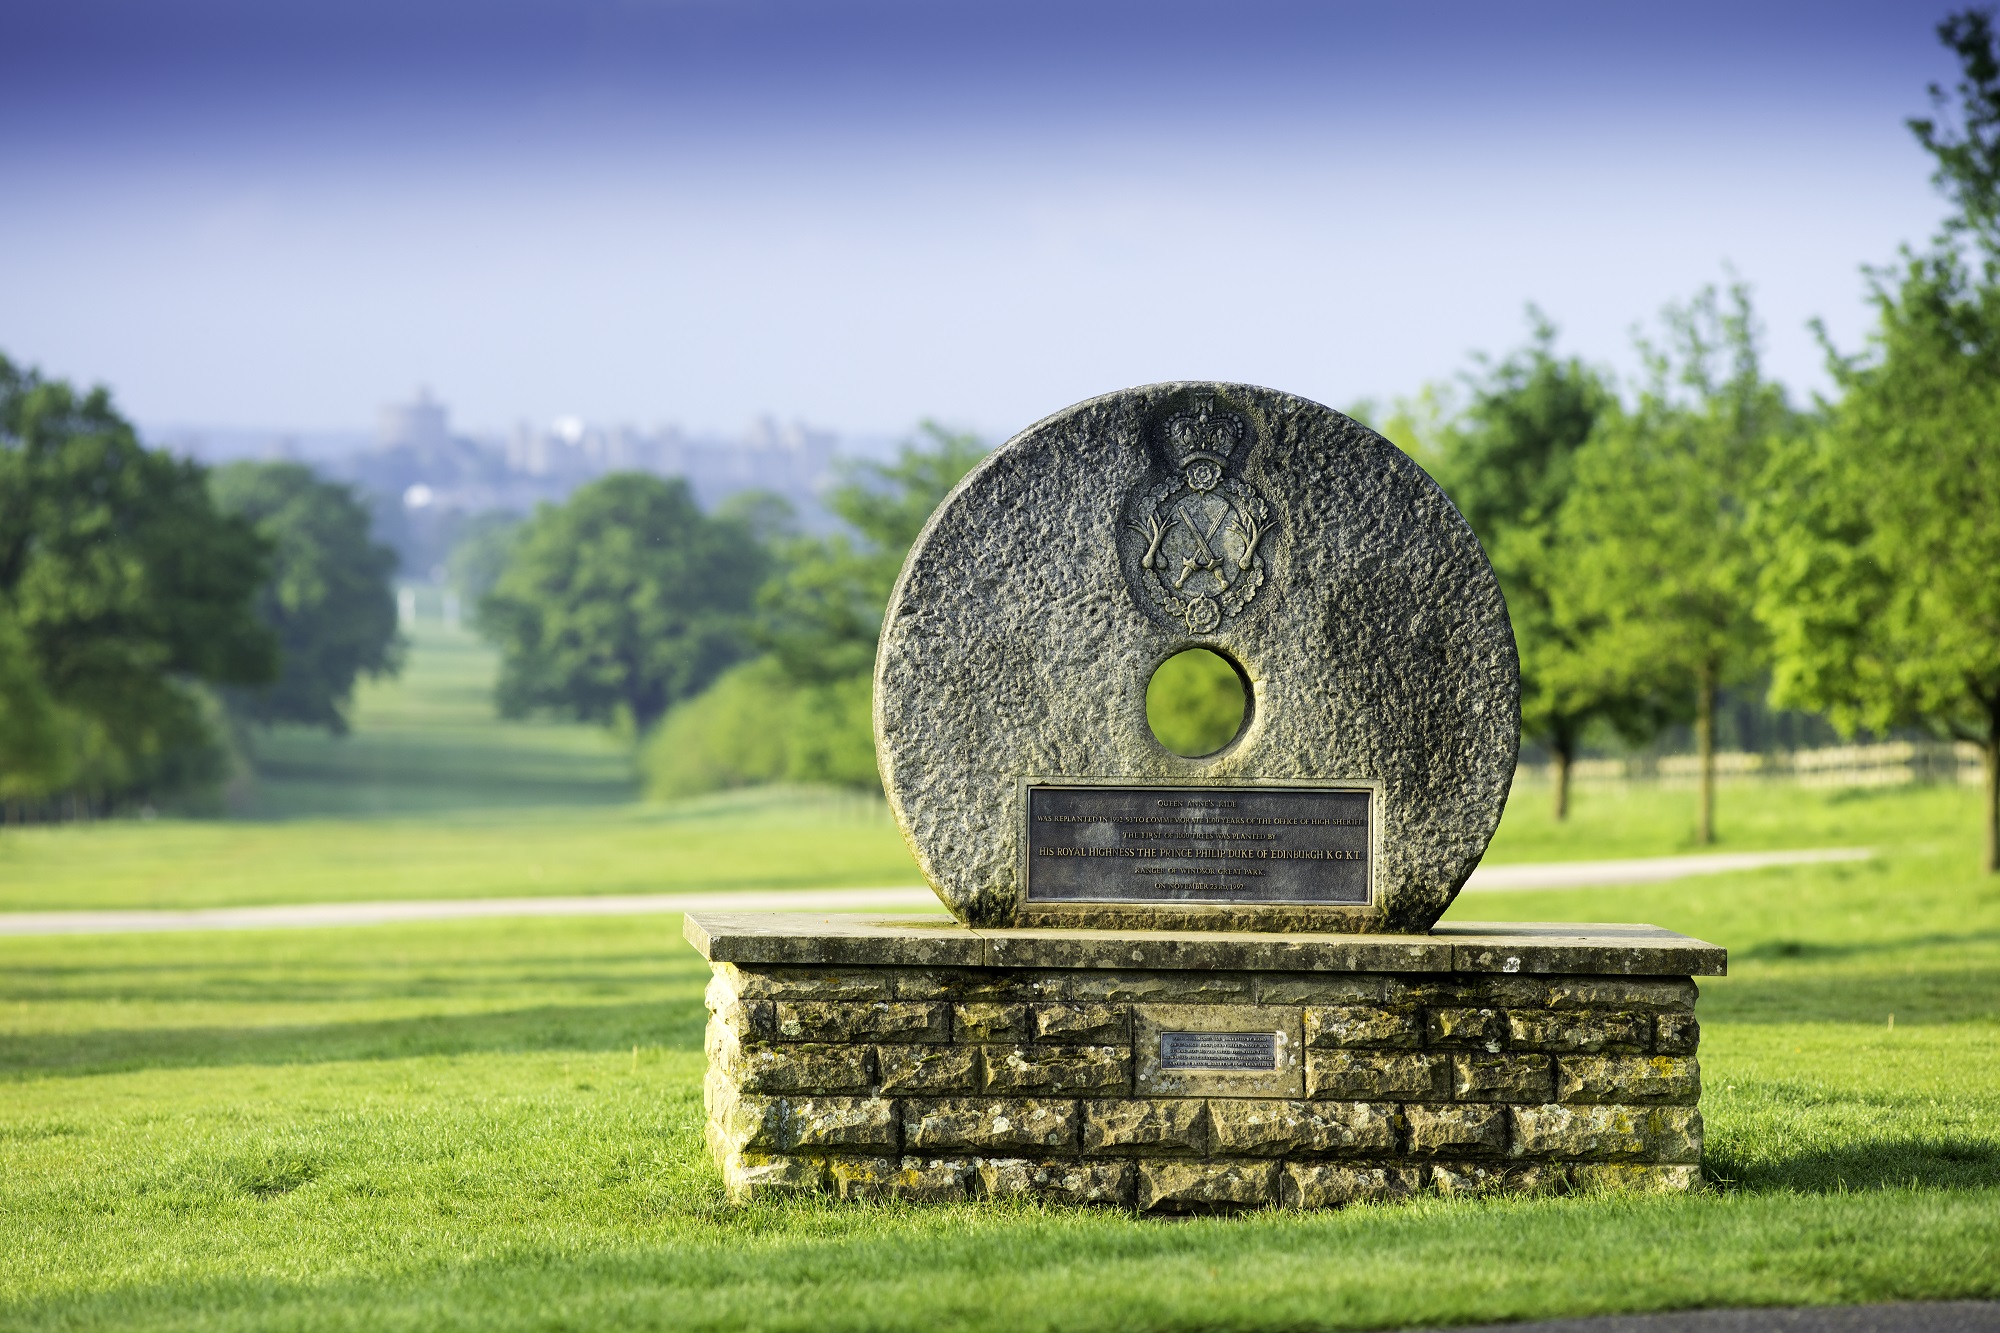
1202,433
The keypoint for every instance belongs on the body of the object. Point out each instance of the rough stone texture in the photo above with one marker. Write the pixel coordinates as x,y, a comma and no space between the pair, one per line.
1023,631
941,959
1274,1128
1629,1078
913,1178
1501,1078
1457,1130
1150,1126
1051,1069
1206,1186
848,1021
1059,1182
1654,1133
1362,1025
1326,1185
1591,1032
927,1069
989,1123
942,1083
1376,1074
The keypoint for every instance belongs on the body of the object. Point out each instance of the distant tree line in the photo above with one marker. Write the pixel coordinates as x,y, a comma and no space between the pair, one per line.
151,608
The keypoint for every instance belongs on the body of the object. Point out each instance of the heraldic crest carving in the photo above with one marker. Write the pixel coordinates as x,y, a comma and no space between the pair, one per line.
1196,534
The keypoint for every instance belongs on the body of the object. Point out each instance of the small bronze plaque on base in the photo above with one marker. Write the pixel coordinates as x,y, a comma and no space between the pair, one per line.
1303,846
1218,1050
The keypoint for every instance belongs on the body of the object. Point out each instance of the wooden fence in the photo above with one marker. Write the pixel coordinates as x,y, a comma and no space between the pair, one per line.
1890,764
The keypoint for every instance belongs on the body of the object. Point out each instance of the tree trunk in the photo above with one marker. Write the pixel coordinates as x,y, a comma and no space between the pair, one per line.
1704,739
1564,748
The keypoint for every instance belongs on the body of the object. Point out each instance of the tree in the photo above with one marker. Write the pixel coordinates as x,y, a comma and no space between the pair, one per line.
1881,594
802,711
620,602
1657,528
126,588
1507,460
35,758
823,613
330,600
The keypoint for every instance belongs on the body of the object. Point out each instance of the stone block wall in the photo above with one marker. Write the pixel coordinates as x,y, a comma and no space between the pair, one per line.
872,1082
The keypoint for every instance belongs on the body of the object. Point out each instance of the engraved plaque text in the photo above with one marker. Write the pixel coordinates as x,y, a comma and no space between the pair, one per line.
1218,1050
1291,845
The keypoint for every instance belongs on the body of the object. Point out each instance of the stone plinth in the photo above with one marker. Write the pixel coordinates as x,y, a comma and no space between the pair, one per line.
914,1057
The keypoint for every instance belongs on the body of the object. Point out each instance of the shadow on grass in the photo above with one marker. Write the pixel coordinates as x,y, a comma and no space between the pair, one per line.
1916,1163
547,1028
391,977
1936,994
1811,950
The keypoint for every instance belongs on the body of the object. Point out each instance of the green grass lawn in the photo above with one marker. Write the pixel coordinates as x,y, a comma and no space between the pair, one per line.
497,1124
428,742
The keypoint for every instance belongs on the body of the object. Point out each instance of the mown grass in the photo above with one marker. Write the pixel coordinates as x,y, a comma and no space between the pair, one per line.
428,741
1644,819
497,1124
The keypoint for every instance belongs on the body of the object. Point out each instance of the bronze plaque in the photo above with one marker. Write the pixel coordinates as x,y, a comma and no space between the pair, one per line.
1267,844
1218,1050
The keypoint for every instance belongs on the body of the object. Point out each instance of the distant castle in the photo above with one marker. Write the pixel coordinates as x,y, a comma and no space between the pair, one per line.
418,457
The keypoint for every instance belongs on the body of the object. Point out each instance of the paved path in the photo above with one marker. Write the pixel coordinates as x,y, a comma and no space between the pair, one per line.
1900,1317
1555,875
1648,870
296,915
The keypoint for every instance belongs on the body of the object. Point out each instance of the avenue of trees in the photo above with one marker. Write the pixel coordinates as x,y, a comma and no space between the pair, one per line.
150,608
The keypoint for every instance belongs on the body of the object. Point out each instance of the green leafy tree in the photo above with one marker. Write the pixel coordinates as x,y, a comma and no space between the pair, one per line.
1657,524
35,754
1195,702
823,613
330,599
1882,594
621,602
1507,459
126,589
802,711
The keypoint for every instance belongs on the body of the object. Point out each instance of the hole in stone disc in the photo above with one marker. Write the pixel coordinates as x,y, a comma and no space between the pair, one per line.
1196,702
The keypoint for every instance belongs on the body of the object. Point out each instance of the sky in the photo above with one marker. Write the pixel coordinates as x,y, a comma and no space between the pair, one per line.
254,215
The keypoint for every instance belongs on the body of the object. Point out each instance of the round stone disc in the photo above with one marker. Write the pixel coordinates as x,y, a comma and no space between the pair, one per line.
1295,542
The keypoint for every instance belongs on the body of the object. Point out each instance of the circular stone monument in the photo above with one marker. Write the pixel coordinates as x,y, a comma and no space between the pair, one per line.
1383,690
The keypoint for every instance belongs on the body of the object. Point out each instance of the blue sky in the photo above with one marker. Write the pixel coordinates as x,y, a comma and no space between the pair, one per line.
256,214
